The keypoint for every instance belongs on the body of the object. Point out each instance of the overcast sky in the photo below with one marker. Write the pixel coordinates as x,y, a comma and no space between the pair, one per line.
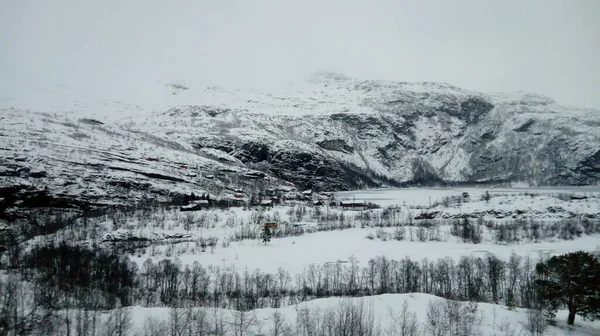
549,47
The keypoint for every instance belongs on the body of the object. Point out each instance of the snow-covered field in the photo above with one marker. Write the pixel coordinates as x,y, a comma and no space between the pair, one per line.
351,237
491,320
296,253
178,233
428,196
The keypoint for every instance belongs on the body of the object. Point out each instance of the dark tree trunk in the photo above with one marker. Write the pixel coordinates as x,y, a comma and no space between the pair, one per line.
571,319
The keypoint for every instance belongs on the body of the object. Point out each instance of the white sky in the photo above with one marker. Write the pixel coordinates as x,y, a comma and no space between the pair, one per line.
549,47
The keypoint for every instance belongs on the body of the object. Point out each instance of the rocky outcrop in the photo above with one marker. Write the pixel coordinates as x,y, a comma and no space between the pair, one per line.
335,145
589,168
470,110
419,134
335,133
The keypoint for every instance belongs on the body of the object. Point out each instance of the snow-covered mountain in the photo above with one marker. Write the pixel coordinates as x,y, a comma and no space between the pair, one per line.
332,132
343,133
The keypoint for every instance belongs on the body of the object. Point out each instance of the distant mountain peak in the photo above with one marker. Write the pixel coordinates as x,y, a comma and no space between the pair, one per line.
328,77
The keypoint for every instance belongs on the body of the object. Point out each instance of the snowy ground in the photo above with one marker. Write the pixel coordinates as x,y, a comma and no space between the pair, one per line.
492,319
296,253
428,196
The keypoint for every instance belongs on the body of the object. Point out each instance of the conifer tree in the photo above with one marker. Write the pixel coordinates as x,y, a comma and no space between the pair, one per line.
266,235
574,280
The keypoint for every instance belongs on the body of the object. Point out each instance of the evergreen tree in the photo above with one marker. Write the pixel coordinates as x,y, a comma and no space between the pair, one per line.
266,235
574,280
510,300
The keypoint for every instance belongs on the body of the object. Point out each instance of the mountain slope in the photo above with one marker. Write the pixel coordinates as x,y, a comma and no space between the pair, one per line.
332,132
342,133
68,162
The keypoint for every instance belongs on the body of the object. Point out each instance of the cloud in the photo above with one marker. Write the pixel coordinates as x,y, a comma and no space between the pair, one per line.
549,47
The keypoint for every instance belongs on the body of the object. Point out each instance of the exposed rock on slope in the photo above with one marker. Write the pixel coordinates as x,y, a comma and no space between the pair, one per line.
373,132
59,161
331,133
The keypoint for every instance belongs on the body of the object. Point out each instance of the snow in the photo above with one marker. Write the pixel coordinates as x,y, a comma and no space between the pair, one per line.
296,117
88,159
492,319
156,132
211,152
428,196
540,207
296,253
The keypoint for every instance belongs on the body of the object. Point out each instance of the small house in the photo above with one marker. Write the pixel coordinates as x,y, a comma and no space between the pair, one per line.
236,202
353,204
270,225
276,200
269,192
191,207
323,197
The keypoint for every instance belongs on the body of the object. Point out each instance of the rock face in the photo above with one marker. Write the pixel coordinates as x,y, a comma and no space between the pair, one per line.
368,133
333,133
58,161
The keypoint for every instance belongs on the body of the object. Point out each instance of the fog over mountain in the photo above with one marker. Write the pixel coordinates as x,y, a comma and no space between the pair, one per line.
116,49
330,96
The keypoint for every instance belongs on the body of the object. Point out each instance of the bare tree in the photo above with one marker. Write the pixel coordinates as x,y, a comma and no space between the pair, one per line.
449,317
536,322
83,321
155,327
279,325
219,327
435,323
468,322
176,322
243,321
403,324
199,322
307,321
23,307
118,323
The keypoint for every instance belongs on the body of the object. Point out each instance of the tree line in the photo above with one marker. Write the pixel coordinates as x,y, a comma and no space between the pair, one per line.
78,280
83,273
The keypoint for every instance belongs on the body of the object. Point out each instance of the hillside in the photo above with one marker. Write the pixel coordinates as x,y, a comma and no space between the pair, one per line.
330,133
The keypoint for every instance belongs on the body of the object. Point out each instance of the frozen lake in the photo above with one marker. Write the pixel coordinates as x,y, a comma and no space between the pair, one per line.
426,196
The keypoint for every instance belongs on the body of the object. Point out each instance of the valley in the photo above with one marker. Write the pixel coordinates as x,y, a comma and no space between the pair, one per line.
375,194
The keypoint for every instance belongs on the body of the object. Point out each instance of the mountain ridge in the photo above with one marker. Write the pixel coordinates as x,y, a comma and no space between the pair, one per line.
331,133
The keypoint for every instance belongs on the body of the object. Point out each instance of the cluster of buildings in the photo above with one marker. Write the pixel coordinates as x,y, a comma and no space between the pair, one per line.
255,189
